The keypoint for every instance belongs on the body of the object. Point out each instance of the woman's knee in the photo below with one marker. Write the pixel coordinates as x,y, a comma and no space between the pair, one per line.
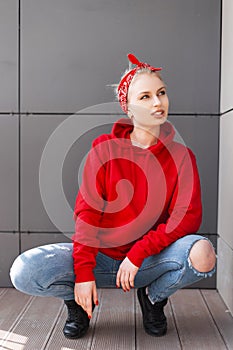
202,256
20,273
25,270
36,269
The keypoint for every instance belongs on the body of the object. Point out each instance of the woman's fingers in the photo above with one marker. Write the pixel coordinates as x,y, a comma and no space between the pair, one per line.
131,280
88,308
126,274
123,280
95,295
85,293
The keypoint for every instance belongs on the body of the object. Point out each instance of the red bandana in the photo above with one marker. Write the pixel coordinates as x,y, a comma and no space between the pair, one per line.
126,80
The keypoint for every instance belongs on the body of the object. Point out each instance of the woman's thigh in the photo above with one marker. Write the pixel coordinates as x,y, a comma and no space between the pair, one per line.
41,267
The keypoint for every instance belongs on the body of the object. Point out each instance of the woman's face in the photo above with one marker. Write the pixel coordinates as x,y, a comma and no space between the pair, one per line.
147,100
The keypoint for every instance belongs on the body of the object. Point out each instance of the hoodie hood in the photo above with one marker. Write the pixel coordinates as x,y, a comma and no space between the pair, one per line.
123,127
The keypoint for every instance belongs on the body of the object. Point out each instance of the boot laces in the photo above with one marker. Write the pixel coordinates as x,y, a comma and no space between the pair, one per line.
75,314
157,314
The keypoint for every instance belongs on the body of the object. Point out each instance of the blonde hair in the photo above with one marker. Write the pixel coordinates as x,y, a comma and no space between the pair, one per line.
138,72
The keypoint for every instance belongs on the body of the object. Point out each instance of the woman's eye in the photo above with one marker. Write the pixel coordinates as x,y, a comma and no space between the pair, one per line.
162,92
144,97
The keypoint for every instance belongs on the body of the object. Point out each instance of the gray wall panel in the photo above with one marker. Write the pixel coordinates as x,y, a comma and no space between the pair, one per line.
8,55
9,173
32,240
9,250
201,135
225,217
73,162
71,50
35,133
227,57
225,268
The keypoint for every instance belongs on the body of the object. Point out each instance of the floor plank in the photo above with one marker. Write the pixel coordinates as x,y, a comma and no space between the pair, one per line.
12,306
115,327
195,325
197,320
221,315
3,290
58,341
145,341
32,330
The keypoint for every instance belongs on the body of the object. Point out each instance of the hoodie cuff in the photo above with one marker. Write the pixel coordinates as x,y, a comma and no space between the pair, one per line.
135,258
84,275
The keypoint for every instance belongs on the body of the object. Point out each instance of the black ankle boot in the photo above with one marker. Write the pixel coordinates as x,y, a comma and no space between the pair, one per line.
77,323
154,320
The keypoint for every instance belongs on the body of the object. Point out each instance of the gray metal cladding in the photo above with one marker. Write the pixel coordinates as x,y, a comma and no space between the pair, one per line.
72,50
68,54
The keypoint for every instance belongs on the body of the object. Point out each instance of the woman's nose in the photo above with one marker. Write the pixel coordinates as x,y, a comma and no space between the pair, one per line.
156,101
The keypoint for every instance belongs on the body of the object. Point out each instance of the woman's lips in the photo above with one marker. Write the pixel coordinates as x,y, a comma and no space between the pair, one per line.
158,114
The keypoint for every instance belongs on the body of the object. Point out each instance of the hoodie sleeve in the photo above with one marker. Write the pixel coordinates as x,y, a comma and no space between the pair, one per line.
185,214
87,215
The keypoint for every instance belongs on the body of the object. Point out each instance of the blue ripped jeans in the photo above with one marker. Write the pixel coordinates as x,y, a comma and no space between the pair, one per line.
48,271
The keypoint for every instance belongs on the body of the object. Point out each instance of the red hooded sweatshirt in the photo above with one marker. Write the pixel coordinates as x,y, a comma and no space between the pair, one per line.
134,202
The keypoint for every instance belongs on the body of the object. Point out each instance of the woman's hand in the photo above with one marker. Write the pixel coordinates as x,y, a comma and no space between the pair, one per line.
126,274
84,294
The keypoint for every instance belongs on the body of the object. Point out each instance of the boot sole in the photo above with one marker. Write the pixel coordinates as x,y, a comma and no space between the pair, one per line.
75,336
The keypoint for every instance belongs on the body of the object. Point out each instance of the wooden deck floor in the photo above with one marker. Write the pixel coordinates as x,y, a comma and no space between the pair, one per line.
197,320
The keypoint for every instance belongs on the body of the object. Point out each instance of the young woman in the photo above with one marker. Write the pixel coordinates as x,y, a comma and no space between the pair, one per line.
136,214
